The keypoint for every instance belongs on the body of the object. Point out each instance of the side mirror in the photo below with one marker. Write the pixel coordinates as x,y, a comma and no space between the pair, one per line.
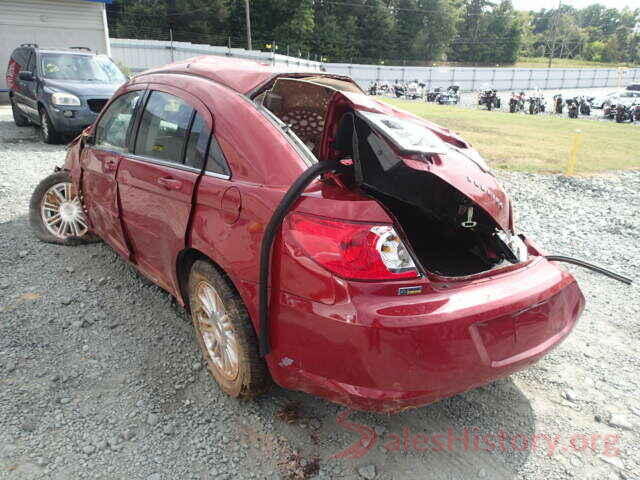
26,76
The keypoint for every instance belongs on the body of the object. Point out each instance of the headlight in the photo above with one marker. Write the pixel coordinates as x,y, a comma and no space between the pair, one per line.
65,99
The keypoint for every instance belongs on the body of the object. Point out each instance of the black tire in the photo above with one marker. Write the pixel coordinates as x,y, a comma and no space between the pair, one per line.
36,216
498,103
252,377
19,118
49,133
531,109
619,116
512,107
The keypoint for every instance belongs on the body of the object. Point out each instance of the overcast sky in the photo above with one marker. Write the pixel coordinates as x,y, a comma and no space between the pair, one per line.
538,4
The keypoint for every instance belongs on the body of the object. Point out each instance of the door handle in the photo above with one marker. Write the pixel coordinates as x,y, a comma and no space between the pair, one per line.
170,183
110,165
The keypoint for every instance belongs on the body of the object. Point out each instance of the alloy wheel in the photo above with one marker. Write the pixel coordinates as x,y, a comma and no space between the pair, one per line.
216,329
62,212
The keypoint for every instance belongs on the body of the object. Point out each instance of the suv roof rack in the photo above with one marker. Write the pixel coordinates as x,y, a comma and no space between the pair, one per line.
80,48
34,45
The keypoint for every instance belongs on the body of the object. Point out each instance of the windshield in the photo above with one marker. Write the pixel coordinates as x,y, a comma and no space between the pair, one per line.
81,68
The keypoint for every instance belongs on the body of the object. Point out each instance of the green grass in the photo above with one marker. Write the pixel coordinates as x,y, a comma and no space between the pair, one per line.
536,143
534,62
542,62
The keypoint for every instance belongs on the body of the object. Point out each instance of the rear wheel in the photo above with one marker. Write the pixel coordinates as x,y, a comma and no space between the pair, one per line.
225,334
56,213
49,132
19,118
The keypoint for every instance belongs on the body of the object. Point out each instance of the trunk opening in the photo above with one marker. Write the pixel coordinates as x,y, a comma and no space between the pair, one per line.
449,234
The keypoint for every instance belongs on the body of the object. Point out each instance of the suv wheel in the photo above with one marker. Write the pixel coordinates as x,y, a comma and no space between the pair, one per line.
19,118
49,132
56,213
225,333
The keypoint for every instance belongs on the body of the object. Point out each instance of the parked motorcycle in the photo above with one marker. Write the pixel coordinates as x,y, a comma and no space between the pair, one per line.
584,105
450,97
399,89
432,94
627,113
536,103
413,91
489,98
516,102
558,103
573,107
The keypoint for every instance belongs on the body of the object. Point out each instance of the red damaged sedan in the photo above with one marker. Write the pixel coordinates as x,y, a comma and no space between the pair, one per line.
319,238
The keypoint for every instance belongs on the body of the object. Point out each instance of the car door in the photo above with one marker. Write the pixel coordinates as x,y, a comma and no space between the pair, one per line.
157,180
30,89
100,164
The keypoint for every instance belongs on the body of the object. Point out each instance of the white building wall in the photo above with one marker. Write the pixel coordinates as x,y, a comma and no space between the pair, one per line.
50,23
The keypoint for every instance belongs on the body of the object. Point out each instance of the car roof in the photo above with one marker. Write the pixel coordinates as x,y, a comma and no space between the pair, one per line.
243,76
69,50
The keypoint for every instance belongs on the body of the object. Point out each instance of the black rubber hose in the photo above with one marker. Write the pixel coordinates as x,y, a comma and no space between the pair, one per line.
269,236
580,263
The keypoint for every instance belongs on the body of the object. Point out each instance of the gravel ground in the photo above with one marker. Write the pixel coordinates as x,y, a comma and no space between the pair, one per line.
100,375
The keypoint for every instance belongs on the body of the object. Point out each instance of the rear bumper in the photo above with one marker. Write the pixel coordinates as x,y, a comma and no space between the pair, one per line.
377,351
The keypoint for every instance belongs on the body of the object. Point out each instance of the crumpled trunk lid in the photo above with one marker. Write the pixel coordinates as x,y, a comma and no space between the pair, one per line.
457,164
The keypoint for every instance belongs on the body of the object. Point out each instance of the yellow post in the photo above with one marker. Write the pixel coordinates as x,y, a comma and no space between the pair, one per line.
573,153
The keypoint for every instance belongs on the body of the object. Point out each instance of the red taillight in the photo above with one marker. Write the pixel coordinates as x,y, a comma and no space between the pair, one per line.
358,251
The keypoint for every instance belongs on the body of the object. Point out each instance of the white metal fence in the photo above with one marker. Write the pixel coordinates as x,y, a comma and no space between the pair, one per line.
143,54
140,55
500,78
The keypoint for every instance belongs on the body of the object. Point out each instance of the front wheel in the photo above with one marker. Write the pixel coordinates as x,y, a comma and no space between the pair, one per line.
49,133
225,334
56,213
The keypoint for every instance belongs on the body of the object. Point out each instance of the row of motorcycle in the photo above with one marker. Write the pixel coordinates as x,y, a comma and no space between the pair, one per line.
417,90
535,103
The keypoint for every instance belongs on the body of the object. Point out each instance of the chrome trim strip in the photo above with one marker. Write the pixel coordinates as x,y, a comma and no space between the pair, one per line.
163,163
217,175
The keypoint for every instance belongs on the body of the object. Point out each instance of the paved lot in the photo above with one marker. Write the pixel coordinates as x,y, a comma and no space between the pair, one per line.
100,376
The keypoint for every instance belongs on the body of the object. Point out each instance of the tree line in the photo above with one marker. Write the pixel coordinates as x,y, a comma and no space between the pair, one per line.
389,31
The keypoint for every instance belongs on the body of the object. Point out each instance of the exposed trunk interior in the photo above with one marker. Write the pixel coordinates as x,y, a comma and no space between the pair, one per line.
429,210
449,234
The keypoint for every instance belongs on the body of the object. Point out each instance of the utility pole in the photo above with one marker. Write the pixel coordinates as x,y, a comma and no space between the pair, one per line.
555,33
248,15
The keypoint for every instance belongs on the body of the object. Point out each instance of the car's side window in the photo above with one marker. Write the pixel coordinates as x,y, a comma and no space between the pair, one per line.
163,128
216,163
197,144
111,131
31,66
